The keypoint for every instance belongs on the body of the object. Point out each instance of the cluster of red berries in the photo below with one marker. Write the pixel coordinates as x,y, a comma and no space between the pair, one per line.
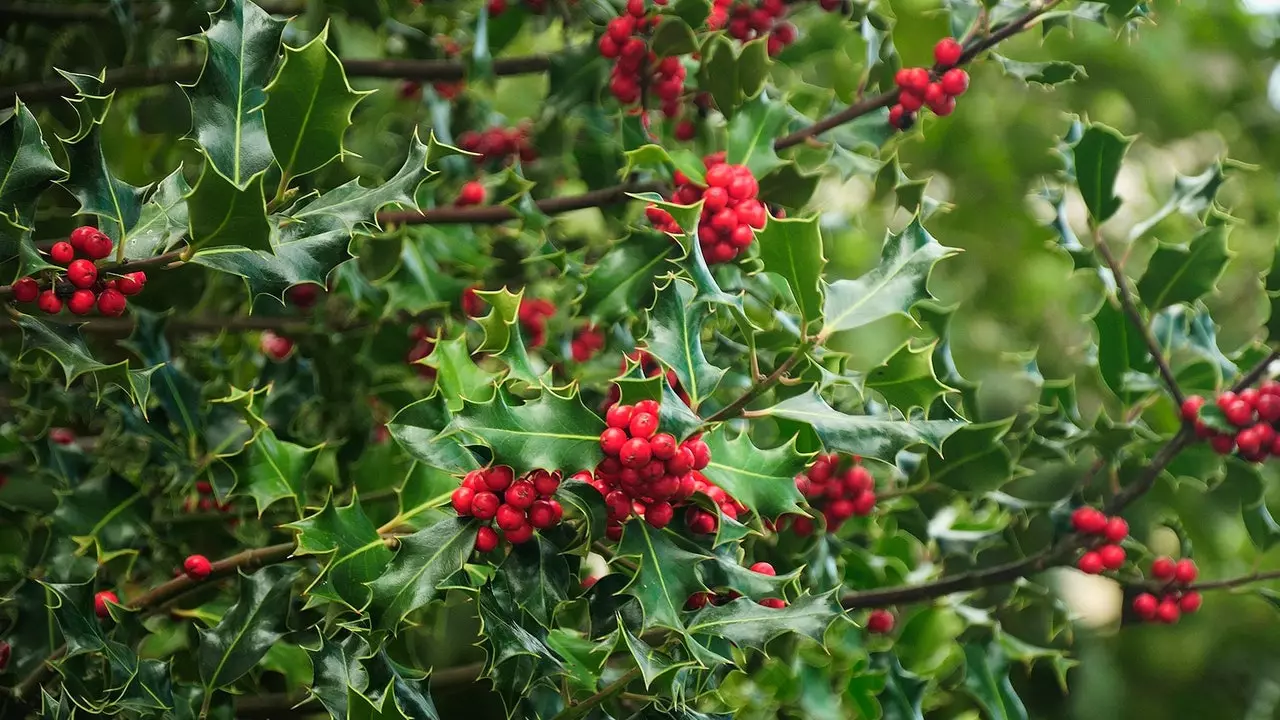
80,287
1256,411
702,598
518,506
649,473
533,315
446,89
917,87
1108,534
747,21
589,341
1175,598
838,494
499,145
276,347
423,345
731,213
636,69
472,193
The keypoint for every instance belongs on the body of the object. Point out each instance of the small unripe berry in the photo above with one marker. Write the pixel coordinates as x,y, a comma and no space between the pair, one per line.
1185,572
62,253
1162,568
1090,563
764,568
26,289
1144,606
461,500
955,81
81,301
486,539
485,505
1190,602
111,303
82,273
880,622
100,601
947,52
197,567
1116,530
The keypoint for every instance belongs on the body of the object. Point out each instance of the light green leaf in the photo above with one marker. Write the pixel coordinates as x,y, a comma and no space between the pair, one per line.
750,625
673,37
416,575
793,250
1048,74
245,633
752,132
458,376
502,337
907,379
763,480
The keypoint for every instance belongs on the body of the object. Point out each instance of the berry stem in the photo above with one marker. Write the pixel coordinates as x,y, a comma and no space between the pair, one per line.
613,688
758,388
174,256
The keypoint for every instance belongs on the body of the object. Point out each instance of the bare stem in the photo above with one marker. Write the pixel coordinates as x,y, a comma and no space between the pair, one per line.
613,688
757,389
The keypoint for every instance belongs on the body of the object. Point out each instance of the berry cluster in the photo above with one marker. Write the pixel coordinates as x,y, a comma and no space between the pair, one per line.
1175,598
702,598
838,494
472,193
1107,532
276,347
650,366
747,21
423,345
918,88
731,213
880,622
205,500
80,287
197,567
650,473
533,314
518,506
589,341
1255,411
636,69
499,145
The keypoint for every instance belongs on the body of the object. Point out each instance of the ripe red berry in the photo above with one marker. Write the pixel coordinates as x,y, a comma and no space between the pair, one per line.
916,80
618,416
947,52
541,515
1112,556
659,514
880,622
1088,520
133,283
643,425
775,603
486,539
82,273
943,107
521,494
1222,444
100,601
1145,606
520,535
1162,568
1248,441
955,81
62,253
1239,413
697,601
96,246
1090,563
81,301
764,568
1116,530
1190,602
510,517
1191,408
1185,572
498,478
546,483
1168,612
461,500
62,436
111,303
648,406
275,346
472,193
612,440
26,289
485,505
635,453
701,522
197,567
80,235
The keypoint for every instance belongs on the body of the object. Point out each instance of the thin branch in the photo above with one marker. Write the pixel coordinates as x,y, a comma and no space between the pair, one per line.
614,195
116,268
277,705
613,688
48,13
1236,582
1256,372
757,389
123,326
1125,295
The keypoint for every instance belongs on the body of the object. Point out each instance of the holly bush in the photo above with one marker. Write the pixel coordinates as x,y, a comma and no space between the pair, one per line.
526,359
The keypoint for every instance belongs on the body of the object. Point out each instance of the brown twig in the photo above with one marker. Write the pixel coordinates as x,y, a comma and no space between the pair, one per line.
502,213
579,709
757,389
115,268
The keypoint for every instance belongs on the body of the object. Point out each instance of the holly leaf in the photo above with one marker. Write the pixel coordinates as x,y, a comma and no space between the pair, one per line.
90,179
986,678
753,130
277,469
552,432
457,375
309,106
748,624
1048,74
869,437
407,685
653,664
763,480
725,570
1097,156
792,249
502,336
221,214
227,99
358,554
1183,274
1192,196
256,622
1123,357
624,278
337,667
675,338
972,459
163,220
673,37
533,577
891,288
27,169
64,344
386,707
104,512
418,427
673,415
416,574
907,380
666,573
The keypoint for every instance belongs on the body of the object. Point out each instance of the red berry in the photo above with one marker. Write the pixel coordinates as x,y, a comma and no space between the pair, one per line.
880,622
659,514
864,503
197,567
541,515
1163,568
1248,441
643,425
947,52
1239,413
111,303
461,500
697,601
26,289
96,246
635,453
775,603
955,81
100,601
62,253
133,283
81,235
486,539
916,80
685,130
701,522
275,346
1191,408
1088,520
635,8
1268,407
1144,606
664,446
81,301
618,505
485,505
521,495
618,416
510,517
520,535
909,102
719,176
472,193
764,568
1168,612
944,107
82,273
1185,572
1116,530
1190,602
612,440
1112,556
900,118
546,483
1222,444
1090,563
648,406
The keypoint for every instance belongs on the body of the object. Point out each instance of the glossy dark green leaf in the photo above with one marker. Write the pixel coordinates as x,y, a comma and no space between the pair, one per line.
653,663
534,577
457,375
763,480
503,338
407,685
624,278
666,573
245,633
750,625
675,337
162,221
221,214
386,707
986,678
92,182
1184,274
752,132
64,344
1097,156
972,459
552,432
357,553
277,470
793,250
1123,358
907,380
718,74
106,513
337,669
28,169
421,564
418,427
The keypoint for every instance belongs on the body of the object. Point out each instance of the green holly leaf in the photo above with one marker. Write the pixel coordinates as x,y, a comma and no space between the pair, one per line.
27,169
753,69
221,214
666,573
104,512
892,288
907,380
583,658
787,186
675,337
64,344
624,278
654,664
407,685
986,679
673,37
1183,274
276,471
718,74
752,132
309,106
792,249
673,415
870,437
1192,196
750,625
358,554
416,574
458,376
972,459
533,577
588,505
502,336
387,707
337,667
72,607
256,622
242,43
1097,156
418,427
90,102
55,709
725,570
177,392
693,12
163,220
90,179
763,480
1048,74
552,432
1123,358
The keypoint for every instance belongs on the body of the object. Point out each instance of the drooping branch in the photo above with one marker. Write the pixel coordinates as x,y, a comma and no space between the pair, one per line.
165,259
